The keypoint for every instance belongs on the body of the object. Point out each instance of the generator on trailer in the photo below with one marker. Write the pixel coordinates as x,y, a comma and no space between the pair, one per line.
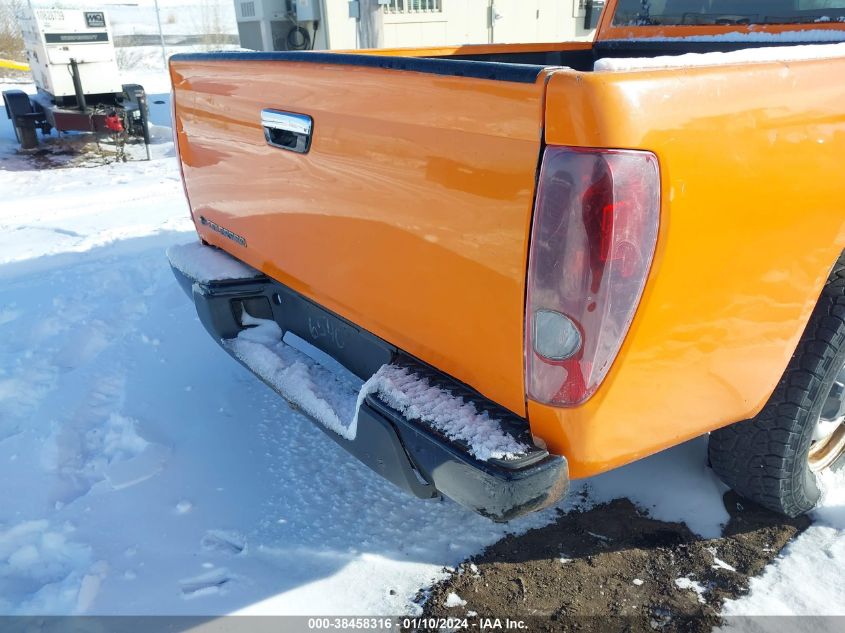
72,59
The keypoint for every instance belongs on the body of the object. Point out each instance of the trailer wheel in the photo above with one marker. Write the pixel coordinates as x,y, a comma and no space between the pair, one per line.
17,106
775,458
135,94
27,137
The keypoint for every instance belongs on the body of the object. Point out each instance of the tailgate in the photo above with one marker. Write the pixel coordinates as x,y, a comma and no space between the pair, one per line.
409,212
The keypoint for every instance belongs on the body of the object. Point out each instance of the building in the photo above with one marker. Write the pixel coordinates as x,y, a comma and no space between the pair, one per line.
334,24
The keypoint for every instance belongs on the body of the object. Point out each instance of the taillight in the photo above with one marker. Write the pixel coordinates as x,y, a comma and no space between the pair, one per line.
592,243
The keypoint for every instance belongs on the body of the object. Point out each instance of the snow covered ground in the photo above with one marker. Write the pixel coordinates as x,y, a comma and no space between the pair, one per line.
178,17
142,471
809,578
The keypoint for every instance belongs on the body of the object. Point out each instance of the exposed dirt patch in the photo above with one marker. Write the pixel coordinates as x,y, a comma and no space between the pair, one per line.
614,568
72,150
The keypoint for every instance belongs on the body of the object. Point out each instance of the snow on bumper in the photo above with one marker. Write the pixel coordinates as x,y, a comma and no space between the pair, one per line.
413,425
326,396
202,263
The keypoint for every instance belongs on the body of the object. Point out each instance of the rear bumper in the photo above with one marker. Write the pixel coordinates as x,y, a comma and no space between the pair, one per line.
412,455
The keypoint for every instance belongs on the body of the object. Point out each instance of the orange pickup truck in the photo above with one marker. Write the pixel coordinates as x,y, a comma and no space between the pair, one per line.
488,270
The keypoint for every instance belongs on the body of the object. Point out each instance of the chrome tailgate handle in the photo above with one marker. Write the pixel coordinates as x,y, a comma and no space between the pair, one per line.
287,130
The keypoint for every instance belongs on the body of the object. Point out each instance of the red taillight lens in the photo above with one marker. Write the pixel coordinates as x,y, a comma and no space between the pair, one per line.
592,243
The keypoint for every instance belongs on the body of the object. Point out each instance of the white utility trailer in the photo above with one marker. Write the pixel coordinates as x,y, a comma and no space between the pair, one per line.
72,58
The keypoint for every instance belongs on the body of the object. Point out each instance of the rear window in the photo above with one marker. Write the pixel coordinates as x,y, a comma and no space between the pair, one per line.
727,12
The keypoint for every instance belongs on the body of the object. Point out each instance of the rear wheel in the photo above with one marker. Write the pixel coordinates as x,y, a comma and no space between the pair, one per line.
828,443
775,458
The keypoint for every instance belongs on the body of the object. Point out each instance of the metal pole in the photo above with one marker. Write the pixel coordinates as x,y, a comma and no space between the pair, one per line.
161,37
141,95
77,85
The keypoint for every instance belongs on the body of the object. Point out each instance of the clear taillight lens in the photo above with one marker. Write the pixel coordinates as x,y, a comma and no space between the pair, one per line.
592,243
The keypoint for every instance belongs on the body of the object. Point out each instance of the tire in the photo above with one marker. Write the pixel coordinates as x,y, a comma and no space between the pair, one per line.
17,104
768,458
27,137
130,95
